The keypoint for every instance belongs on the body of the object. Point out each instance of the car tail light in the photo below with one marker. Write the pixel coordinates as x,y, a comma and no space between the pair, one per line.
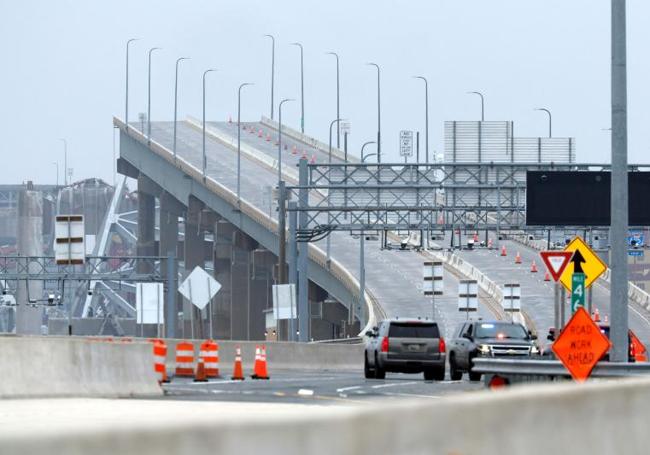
442,347
384,345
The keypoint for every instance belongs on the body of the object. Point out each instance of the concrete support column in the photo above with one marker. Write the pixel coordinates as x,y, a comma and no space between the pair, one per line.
222,260
30,243
146,245
170,210
259,291
240,275
194,255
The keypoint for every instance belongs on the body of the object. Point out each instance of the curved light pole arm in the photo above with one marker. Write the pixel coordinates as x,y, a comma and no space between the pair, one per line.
550,120
126,102
272,70
378,110
302,87
426,117
149,93
239,139
482,103
204,161
176,101
338,97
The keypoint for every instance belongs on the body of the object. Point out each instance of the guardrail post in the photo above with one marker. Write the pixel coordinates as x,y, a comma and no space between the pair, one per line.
303,256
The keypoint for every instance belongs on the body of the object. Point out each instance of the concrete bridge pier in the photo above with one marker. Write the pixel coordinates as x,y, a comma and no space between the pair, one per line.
170,210
146,245
222,261
263,265
243,245
194,255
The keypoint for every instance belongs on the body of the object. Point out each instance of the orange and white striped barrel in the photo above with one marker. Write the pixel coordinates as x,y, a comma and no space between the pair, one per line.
210,354
185,359
160,357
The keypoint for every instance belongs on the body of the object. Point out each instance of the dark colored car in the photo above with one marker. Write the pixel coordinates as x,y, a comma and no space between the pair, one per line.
405,346
487,339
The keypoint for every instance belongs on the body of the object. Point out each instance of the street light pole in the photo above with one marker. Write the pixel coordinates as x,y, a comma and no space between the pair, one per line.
280,138
363,157
239,140
176,101
550,120
337,120
426,117
619,191
205,160
302,88
272,70
482,104
378,111
65,161
149,94
329,160
126,102
338,98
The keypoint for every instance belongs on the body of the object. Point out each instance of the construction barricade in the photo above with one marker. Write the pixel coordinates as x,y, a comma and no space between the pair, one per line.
185,359
209,352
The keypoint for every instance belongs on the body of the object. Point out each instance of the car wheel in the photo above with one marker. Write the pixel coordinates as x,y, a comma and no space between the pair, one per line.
367,371
380,373
429,374
454,373
439,374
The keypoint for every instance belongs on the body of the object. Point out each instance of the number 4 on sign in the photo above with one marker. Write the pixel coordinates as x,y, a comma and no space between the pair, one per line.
577,291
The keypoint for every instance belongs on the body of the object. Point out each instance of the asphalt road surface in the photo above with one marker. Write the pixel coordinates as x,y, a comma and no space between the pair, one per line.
316,387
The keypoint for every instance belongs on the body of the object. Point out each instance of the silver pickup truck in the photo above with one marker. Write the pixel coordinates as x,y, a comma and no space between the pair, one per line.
405,346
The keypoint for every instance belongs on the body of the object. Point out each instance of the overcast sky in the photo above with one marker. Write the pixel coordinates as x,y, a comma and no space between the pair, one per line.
63,69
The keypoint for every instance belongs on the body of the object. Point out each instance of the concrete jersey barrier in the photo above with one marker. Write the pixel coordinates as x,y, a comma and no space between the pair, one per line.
75,367
591,419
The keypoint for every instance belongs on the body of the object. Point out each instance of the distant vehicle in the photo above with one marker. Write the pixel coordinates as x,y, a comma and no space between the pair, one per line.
487,339
405,346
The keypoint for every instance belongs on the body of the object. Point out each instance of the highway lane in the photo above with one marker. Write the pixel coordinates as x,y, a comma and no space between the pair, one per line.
317,388
537,294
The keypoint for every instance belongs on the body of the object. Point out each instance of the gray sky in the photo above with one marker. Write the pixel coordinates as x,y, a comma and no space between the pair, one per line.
63,72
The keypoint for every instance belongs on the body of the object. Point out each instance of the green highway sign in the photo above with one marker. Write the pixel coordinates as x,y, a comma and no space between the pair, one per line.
577,291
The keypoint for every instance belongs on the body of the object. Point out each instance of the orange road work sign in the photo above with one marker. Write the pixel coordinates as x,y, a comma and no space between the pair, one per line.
581,345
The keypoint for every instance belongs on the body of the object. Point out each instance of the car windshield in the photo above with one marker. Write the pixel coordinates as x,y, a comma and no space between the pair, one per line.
413,330
500,330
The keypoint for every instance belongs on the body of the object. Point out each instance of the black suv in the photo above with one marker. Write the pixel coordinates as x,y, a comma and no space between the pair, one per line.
405,346
487,339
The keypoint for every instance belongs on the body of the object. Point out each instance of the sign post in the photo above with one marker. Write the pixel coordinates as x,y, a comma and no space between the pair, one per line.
577,291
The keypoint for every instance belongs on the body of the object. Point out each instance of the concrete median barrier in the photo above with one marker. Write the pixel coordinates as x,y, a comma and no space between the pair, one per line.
597,418
75,367
282,356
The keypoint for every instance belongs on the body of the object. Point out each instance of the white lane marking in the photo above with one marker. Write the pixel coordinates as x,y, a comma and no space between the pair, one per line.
343,389
393,384
412,395
305,392
225,381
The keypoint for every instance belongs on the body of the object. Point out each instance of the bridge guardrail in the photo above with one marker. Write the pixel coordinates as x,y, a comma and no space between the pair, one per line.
549,369
316,254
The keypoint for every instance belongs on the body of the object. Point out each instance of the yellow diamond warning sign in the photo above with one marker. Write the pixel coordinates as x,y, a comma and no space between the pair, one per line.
584,260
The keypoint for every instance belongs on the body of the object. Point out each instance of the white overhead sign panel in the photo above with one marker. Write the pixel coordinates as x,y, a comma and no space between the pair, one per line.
149,303
512,297
284,301
432,278
199,287
467,295
406,143
69,244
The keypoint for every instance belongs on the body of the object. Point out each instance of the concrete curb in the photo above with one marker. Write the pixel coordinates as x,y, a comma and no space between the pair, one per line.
75,367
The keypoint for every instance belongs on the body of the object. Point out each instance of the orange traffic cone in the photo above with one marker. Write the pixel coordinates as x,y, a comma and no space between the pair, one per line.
596,315
252,130
294,150
238,371
259,371
517,258
533,268
606,320
268,138
304,155
547,276
489,244
313,159
503,250
200,376
259,133
476,237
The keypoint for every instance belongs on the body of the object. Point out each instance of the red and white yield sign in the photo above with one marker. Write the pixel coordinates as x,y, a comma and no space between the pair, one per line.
556,262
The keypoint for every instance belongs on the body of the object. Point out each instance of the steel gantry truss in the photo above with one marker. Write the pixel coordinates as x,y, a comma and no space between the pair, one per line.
402,196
